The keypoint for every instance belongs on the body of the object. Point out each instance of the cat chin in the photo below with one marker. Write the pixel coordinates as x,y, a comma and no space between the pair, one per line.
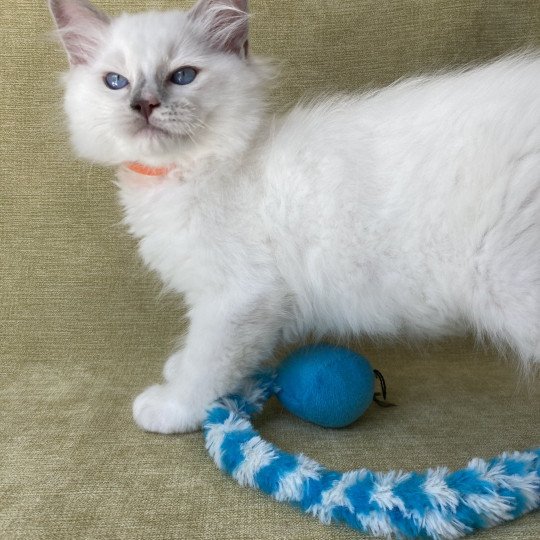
159,149
151,146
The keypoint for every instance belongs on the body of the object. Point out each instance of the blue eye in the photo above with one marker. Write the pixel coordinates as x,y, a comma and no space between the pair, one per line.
115,81
184,75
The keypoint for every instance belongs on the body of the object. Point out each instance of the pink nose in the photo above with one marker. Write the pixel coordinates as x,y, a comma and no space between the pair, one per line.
145,106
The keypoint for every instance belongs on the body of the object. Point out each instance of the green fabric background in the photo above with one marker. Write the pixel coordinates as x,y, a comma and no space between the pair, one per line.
84,329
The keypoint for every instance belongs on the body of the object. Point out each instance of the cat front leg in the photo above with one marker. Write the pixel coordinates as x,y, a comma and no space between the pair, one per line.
173,366
227,340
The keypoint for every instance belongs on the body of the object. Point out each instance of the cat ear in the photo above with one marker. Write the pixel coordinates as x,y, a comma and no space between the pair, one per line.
80,27
225,22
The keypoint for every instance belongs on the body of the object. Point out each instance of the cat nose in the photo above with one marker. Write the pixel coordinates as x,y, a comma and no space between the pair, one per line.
145,106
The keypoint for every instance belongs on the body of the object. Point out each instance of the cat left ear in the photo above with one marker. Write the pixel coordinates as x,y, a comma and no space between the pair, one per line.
225,22
80,26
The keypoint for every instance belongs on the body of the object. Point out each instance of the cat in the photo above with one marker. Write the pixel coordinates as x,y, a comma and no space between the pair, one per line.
407,210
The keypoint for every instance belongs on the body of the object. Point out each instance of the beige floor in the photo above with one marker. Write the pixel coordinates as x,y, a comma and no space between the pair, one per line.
75,466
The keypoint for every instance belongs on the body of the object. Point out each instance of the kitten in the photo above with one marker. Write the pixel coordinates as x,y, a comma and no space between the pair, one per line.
414,209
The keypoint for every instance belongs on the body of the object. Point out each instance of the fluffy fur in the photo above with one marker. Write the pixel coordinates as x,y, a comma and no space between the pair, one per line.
413,209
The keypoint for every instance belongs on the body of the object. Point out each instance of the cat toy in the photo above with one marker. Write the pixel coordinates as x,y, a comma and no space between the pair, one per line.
332,387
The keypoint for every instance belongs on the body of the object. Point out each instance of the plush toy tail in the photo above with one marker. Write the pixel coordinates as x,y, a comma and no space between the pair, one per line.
434,504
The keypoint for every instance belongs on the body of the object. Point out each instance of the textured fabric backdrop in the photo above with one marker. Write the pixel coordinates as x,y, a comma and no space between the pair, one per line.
83,328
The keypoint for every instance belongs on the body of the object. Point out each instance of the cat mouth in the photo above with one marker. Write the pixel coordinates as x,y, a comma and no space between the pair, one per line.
150,130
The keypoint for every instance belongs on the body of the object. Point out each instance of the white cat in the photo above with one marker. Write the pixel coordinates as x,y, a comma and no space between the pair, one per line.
414,209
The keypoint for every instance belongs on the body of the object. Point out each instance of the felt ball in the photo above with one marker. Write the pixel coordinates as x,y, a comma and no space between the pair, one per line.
328,385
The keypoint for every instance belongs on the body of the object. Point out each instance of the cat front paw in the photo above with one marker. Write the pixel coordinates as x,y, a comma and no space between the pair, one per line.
162,409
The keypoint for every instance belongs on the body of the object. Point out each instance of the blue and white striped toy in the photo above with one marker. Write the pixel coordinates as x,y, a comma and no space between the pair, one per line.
434,504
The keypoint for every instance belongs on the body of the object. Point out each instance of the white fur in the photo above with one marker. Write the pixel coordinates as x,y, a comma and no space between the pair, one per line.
414,209
258,454
291,484
336,495
217,436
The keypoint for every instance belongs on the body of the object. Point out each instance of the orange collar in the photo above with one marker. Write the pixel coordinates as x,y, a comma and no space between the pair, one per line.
146,170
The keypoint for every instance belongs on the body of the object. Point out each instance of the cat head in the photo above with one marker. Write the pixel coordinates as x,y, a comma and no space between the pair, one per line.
159,87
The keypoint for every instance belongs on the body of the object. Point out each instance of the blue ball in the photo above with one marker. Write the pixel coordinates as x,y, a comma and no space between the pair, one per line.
327,385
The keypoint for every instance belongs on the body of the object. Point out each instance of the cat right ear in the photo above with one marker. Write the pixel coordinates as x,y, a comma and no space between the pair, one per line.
80,26
225,23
